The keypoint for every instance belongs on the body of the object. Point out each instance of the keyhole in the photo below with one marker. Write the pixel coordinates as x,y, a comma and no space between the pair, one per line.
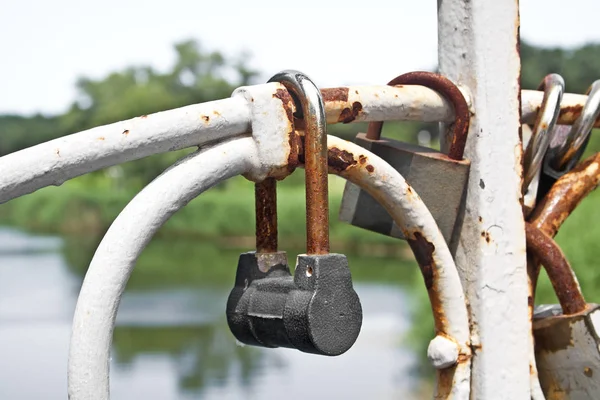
309,271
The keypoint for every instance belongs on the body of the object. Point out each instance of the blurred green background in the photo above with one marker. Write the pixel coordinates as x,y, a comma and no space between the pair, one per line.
220,224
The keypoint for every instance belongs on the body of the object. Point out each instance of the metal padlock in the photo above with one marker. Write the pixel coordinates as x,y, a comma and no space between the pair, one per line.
316,310
567,336
553,86
568,143
439,179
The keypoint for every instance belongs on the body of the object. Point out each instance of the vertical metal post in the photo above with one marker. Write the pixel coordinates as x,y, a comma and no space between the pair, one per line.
479,50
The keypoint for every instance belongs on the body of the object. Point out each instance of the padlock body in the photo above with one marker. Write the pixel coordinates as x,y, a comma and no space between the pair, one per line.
567,352
438,180
316,310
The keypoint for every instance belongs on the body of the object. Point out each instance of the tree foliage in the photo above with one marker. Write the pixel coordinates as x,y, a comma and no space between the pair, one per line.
198,75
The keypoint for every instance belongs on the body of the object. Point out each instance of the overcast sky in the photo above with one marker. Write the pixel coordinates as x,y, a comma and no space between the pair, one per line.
46,44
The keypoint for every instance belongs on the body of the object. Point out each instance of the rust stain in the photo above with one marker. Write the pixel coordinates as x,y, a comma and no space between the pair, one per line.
569,114
370,168
286,99
58,152
423,251
206,118
554,334
587,371
265,195
362,159
349,114
335,94
340,160
294,138
143,116
126,132
101,138
445,380
293,156
218,114
480,219
487,236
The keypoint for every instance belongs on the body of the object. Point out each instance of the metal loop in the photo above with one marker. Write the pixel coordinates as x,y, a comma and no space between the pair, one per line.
315,154
557,267
553,86
450,91
568,153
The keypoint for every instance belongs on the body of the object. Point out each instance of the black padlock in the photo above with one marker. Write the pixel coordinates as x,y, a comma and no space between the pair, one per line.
568,143
316,310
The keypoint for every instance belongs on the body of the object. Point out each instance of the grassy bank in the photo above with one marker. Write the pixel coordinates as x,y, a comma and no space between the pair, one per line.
224,213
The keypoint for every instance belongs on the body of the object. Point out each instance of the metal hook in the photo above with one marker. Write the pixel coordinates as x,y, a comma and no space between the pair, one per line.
570,151
315,154
553,86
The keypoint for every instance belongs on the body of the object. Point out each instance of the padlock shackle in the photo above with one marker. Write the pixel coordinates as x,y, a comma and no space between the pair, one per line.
450,91
265,198
569,152
553,87
303,90
557,267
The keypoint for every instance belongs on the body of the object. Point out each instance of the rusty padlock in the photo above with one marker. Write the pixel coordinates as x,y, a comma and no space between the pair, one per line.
315,310
439,179
567,336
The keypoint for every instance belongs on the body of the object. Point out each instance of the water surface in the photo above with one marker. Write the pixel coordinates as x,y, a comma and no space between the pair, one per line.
172,339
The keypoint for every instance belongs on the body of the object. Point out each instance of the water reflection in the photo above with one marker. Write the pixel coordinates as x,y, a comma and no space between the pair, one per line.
172,340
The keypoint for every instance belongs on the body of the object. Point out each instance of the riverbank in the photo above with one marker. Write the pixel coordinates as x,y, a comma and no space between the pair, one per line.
224,215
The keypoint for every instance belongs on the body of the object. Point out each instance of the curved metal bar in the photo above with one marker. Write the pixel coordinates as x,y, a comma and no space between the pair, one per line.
117,254
566,194
553,86
389,188
56,161
132,230
568,153
559,271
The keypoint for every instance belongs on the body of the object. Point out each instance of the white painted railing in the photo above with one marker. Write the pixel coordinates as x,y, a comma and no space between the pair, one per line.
249,134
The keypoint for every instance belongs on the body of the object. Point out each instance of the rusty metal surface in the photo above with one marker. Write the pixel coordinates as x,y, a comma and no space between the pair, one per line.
566,194
315,158
449,90
265,196
558,269
567,352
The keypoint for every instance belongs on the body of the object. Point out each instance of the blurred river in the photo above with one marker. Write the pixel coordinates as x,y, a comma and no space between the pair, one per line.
172,339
